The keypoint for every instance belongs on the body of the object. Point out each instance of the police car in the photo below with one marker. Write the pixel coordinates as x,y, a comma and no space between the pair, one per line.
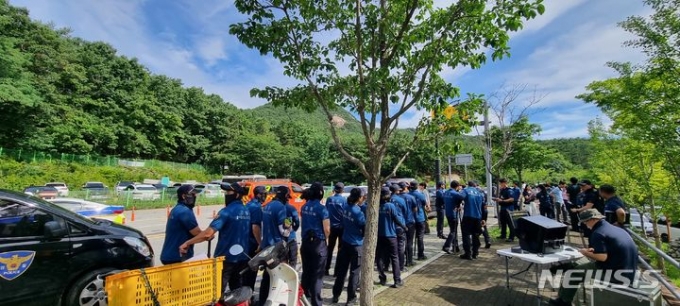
53,256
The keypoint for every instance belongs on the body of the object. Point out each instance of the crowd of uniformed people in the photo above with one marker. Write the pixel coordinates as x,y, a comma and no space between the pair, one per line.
337,222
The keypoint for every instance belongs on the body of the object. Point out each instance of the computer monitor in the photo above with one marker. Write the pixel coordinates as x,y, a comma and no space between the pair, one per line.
540,235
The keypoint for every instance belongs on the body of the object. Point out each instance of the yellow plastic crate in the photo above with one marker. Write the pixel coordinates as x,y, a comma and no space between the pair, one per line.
183,284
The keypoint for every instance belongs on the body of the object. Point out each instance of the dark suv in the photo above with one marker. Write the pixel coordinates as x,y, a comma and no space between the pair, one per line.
52,256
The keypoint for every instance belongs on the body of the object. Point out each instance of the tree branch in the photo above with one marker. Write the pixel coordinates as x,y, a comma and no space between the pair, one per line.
402,30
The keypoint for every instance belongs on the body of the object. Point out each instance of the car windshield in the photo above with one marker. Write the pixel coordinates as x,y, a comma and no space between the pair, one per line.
146,188
55,185
124,183
94,185
56,207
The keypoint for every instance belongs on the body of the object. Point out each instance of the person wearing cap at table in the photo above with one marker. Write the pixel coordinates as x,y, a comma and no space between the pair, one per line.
334,206
255,208
181,226
233,224
389,219
316,228
421,219
403,210
349,255
410,219
274,229
612,251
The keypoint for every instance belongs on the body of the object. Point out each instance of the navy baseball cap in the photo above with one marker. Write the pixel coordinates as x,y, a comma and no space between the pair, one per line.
187,189
234,187
339,186
395,187
403,185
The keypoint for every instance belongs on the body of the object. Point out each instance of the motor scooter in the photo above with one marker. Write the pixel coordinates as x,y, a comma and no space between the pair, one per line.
284,288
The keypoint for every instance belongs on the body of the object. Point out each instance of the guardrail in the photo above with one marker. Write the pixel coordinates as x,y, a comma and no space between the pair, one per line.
647,266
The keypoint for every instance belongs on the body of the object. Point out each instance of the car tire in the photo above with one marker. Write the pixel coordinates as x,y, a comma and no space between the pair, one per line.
88,290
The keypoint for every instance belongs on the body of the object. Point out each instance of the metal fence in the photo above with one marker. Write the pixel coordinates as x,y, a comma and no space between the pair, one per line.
95,160
129,199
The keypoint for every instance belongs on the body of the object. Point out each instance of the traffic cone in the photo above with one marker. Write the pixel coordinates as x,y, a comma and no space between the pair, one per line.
198,209
167,211
132,218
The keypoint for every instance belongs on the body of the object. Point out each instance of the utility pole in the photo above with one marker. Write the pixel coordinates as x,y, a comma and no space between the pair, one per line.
437,176
487,154
449,177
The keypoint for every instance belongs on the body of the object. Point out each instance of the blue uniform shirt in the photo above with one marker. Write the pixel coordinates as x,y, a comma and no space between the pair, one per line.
421,202
334,205
412,206
273,215
474,202
622,253
613,204
177,231
452,200
233,224
292,213
353,222
515,195
507,193
400,203
386,225
313,214
255,209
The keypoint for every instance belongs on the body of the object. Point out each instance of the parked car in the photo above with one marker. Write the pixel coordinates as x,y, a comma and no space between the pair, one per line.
210,190
348,189
636,223
96,190
90,209
52,256
61,187
43,192
122,186
144,192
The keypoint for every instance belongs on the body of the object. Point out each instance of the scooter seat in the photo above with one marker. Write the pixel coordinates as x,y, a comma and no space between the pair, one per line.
238,296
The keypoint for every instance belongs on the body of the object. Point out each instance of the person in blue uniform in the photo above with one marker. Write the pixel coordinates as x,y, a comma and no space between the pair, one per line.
421,219
412,207
293,222
334,206
233,224
506,201
471,225
400,203
545,204
452,204
440,207
389,219
349,255
181,226
255,208
316,228
274,229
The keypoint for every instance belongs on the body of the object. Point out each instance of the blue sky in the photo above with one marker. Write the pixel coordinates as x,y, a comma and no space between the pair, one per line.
556,55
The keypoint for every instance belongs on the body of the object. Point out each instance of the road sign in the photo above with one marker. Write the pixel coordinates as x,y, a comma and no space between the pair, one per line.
463,159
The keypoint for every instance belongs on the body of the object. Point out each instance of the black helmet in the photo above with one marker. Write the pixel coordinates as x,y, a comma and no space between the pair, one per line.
316,191
259,190
282,193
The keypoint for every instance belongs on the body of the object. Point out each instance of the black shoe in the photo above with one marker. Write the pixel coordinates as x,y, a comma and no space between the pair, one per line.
383,281
487,246
510,240
465,256
397,284
352,302
474,256
336,299
441,236
558,302
447,251
456,249
422,257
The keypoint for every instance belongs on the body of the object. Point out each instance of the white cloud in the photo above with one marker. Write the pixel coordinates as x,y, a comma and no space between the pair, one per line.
212,49
553,10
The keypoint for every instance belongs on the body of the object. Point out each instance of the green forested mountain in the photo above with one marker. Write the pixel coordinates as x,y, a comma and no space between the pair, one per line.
61,94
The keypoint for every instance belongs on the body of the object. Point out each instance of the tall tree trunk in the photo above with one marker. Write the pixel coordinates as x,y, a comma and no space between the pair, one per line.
661,265
370,242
